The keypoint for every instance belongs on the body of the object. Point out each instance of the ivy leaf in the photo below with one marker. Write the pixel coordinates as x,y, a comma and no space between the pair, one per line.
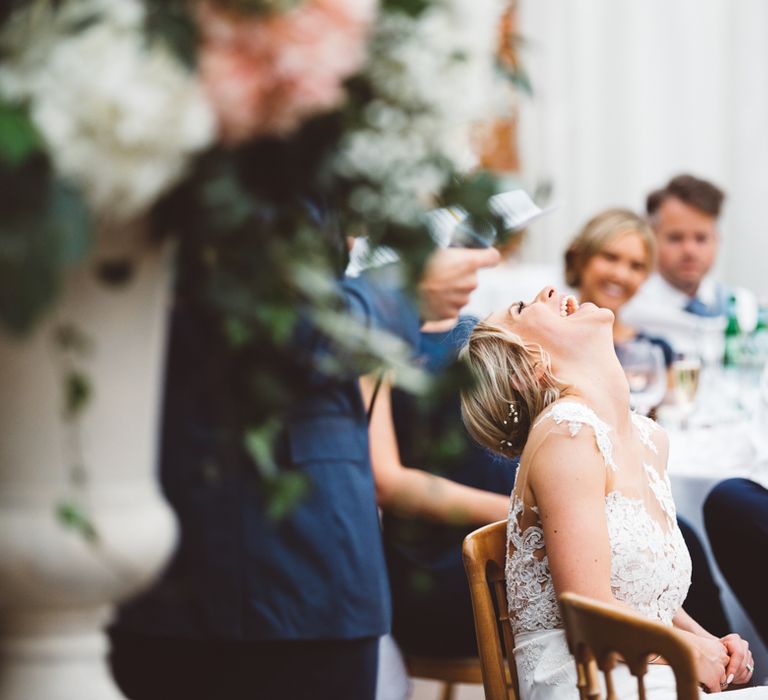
72,516
46,227
70,338
77,392
18,137
259,443
171,22
412,8
285,491
70,223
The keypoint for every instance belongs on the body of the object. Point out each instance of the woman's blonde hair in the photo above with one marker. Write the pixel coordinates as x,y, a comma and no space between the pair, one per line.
513,385
598,232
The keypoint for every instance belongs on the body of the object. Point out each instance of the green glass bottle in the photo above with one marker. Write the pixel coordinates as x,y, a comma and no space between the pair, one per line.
732,336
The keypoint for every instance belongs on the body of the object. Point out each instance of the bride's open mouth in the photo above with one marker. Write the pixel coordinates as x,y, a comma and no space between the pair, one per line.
568,305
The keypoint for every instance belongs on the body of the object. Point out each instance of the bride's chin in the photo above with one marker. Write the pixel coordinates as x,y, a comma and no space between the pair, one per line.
605,314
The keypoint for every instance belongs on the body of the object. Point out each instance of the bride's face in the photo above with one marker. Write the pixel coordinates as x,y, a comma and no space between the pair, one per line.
554,321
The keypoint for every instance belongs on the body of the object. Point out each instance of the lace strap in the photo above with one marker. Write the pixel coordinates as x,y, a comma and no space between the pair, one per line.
645,426
662,490
577,415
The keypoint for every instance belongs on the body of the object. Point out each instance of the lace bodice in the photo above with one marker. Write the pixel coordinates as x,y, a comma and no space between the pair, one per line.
650,564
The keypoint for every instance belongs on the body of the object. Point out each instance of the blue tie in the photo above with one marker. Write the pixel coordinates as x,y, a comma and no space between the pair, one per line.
699,308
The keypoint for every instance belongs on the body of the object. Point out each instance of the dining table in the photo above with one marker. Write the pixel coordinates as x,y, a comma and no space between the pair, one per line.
725,436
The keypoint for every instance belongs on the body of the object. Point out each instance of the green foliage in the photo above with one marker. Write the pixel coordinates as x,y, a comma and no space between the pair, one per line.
261,245
260,7
515,72
413,8
19,140
45,223
284,492
171,22
46,227
71,339
74,517
259,443
77,392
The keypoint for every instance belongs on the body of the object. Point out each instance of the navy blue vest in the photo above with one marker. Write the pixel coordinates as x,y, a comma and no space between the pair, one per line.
318,573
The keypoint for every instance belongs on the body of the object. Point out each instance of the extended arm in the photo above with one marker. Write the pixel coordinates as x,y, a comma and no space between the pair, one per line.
416,492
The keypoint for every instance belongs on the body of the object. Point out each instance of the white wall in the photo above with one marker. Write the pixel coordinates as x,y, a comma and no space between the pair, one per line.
631,92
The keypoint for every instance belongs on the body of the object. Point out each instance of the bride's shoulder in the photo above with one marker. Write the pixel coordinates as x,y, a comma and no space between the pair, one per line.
571,427
571,415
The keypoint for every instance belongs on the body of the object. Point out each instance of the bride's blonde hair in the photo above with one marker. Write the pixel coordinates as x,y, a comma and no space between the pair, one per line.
513,385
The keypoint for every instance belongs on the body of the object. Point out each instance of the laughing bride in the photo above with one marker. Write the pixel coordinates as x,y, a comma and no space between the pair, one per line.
591,511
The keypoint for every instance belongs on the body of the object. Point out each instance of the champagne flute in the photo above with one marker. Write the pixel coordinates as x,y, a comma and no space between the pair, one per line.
686,370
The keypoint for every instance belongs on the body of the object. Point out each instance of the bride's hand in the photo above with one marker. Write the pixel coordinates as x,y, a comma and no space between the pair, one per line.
711,661
740,665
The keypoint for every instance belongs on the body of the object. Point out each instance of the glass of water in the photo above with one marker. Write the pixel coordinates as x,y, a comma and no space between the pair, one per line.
643,363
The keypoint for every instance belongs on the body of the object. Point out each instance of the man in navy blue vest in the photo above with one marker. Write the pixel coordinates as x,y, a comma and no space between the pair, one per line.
256,608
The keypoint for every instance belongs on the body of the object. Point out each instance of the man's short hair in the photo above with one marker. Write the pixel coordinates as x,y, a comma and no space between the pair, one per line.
694,192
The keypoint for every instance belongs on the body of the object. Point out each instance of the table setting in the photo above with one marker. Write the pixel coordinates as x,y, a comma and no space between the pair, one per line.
716,417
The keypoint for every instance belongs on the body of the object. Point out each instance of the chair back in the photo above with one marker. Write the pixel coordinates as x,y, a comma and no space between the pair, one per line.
485,552
597,633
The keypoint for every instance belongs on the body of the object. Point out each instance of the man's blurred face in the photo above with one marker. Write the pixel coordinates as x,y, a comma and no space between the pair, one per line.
687,244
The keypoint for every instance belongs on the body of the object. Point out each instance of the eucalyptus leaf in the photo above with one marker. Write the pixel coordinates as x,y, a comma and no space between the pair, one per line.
77,393
74,517
285,492
18,137
360,346
69,338
29,271
259,443
46,227
70,221
171,22
412,8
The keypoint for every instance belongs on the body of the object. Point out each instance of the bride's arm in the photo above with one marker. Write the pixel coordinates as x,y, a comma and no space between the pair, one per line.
567,478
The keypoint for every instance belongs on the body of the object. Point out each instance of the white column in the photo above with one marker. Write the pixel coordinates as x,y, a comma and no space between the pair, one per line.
57,586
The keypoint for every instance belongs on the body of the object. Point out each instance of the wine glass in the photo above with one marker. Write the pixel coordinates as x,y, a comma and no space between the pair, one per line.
643,363
686,370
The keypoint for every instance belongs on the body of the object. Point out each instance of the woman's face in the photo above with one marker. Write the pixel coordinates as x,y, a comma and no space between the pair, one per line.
542,321
611,276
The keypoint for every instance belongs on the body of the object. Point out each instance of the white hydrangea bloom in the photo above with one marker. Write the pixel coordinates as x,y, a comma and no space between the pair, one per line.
120,116
434,76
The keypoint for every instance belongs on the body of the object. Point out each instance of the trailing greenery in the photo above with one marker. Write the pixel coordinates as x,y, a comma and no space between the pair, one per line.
46,226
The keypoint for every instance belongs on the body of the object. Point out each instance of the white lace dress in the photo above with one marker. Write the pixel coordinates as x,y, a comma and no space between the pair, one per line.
650,564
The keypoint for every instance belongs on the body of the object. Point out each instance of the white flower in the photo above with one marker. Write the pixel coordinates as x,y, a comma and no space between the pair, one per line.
120,116
434,75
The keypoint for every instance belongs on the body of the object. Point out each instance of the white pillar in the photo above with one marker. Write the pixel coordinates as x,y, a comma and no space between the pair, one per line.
57,586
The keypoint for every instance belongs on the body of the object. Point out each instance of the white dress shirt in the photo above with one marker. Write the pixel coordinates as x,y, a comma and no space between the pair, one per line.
658,309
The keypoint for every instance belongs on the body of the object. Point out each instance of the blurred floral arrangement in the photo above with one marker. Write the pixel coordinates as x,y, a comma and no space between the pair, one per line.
260,133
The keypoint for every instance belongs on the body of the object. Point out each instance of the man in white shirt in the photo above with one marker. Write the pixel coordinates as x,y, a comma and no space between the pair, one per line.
682,302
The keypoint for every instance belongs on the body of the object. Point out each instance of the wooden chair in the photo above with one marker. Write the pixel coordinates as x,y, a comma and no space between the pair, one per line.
597,632
449,671
485,552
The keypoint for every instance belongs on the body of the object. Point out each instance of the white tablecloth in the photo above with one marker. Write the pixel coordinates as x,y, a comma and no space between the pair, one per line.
731,444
